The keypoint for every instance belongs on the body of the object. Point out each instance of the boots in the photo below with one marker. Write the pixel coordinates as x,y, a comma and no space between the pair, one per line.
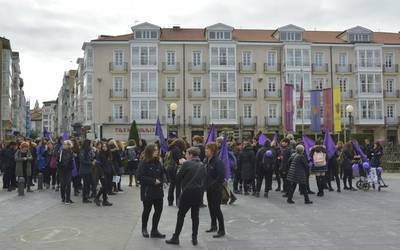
130,180
194,240
212,229
157,234
173,241
145,233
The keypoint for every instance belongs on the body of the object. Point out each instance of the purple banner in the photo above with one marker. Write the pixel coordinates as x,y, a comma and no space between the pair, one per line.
327,104
308,144
315,111
288,108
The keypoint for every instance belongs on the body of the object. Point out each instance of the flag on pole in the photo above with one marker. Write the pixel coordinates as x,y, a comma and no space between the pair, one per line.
288,108
46,133
337,120
315,111
212,134
308,144
224,157
329,145
65,136
327,108
262,139
359,151
160,134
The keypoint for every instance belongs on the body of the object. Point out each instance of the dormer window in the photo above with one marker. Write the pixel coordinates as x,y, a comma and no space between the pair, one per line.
219,35
359,37
146,31
290,36
146,34
289,33
357,34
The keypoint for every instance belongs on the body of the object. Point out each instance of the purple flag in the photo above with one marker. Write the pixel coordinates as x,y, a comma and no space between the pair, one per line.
359,150
308,144
315,111
262,139
160,134
65,136
330,145
46,133
212,134
224,157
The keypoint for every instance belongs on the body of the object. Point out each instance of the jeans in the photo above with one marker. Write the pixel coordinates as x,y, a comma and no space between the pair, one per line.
87,182
214,197
183,209
103,189
158,207
65,178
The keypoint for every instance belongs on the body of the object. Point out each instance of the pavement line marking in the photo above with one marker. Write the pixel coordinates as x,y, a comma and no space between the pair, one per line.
51,234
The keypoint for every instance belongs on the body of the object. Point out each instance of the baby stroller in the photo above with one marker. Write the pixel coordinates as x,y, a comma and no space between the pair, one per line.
359,171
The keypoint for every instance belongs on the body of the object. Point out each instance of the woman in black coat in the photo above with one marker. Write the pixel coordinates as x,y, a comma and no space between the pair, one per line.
297,174
151,175
65,170
104,171
347,158
247,160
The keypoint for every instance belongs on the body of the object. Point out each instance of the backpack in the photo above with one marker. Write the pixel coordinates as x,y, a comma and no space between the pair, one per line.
268,160
131,154
169,162
319,159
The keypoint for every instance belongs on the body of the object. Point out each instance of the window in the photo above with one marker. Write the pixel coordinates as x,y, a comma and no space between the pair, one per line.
196,57
221,56
144,56
247,111
297,57
223,109
117,110
290,36
271,84
118,57
371,109
144,82
369,58
390,111
296,78
89,111
319,58
146,34
359,37
219,35
223,82
247,84
118,86
170,58
196,84
370,83
272,110
89,57
343,112
343,85
319,83
89,84
388,60
390,85
342,59
271,58
246,58
144,110
171,84
197,111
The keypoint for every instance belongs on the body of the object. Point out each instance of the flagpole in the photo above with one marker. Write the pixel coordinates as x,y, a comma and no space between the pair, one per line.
302,104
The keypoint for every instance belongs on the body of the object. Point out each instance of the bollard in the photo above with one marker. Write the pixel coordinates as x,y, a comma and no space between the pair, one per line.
21,186
40,181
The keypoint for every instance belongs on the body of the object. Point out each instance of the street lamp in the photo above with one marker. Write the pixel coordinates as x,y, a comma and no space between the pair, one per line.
173,106
349,110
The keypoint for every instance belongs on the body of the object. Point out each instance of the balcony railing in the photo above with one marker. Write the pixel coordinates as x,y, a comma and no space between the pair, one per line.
118,94
272,121
167,94
197,121
113,119
394,68
391,94
369,66
248,121
169,120
392,120
199,69
197,94
271,94
348,94
376,92
274,68
347,68
173,68
116,68
244,68
319,68
252,93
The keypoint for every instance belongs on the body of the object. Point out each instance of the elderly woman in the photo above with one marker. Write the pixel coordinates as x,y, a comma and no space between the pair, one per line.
297,174
65,168
23,159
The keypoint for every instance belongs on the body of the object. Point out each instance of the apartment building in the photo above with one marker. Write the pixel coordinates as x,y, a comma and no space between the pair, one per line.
65,112
234,78
5,87
18,101
49,118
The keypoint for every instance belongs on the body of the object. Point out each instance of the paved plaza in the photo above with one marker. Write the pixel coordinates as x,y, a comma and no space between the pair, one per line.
347,220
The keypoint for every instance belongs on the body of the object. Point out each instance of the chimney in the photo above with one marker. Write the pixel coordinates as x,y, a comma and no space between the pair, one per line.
176,27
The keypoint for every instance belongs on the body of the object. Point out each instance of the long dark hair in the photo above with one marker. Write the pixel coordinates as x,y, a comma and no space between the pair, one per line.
149,152
105,153
86,147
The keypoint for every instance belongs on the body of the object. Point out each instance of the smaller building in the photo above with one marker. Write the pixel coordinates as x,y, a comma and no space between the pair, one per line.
49,117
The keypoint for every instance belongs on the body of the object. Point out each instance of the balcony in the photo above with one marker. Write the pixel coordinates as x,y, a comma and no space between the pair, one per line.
197,69
391,120
118,94
170,69
174,94
248,94
319,68
123,119
118,69
247,69
197,121
368,67
343,69
378,120
392,94
372,93
197,94
272,121
169,121
248,121
272,94
391,69
272,69
347,94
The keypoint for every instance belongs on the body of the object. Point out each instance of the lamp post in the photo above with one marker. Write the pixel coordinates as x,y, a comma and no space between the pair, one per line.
349,110
173,106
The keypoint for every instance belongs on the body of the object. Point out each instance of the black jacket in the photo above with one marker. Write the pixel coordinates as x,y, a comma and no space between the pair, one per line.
215,174
147,173
66,162
247,161
192,175
86,159
285,154
298,168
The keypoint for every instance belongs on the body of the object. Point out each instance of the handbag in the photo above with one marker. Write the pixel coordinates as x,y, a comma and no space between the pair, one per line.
225,194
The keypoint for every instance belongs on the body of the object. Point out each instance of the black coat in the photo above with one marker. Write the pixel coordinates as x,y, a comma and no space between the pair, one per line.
298,168
86,160
347,156
285,154
247,160
147,174
192,177
66,162
215,174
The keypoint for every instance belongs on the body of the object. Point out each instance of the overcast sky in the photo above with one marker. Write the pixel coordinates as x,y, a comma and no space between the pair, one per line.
49,33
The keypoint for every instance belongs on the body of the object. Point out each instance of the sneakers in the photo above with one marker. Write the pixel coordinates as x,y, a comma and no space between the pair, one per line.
232,200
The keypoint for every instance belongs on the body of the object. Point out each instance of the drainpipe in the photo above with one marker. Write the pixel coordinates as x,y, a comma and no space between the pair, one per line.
184,88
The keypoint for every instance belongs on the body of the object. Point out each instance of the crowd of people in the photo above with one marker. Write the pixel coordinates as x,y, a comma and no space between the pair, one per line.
94,170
